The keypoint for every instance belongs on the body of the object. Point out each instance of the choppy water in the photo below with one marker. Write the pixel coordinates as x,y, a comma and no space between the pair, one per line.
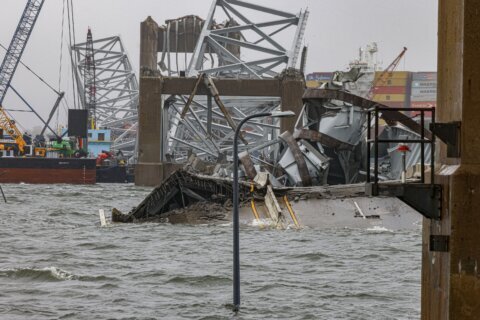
56,262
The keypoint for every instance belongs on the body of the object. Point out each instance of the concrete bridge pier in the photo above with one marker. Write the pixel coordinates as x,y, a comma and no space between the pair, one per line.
151,170
451,246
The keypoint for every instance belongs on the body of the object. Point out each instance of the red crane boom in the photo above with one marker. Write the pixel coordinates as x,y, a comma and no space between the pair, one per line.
383,77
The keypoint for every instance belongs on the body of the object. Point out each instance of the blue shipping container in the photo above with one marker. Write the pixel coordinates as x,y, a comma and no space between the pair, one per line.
424,97
423,91
320,76
424,76
424,84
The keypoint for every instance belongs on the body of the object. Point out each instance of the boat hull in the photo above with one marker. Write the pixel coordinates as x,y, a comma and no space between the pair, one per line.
113,174
47,170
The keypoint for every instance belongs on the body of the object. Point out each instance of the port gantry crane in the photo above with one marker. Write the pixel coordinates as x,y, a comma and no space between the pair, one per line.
10,64
382,78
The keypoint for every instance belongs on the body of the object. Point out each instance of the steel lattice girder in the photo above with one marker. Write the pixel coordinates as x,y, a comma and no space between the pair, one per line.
274,55
207,133
211,139
116,90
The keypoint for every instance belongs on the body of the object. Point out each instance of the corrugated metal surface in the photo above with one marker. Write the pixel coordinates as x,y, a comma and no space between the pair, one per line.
390,90
389,97
424,91
424,84
424,76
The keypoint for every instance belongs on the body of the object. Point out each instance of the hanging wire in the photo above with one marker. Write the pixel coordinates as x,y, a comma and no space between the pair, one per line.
61,48
73,22
33,72
70,50
74,43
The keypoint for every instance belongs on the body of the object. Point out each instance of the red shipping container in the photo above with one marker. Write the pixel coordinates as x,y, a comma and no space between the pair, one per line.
389,90
423,104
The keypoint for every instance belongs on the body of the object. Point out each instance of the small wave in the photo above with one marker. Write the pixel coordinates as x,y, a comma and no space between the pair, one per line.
314,256
105,246
229,224
50,274
379,229
43,274
302,240
108,286
200,280
371,256
95,278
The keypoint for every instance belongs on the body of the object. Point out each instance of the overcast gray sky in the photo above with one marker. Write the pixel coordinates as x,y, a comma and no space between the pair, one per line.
335,31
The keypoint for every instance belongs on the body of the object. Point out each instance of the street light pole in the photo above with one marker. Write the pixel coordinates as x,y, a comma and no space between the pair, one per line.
236,218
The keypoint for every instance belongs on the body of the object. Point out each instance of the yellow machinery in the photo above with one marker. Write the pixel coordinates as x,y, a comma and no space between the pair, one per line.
8,126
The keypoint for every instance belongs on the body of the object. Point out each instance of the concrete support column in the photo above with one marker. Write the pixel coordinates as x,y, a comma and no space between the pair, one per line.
451,280
148,45
292,89
149,169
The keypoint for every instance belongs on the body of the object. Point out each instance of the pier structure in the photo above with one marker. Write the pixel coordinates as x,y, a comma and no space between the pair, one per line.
451,245
195,85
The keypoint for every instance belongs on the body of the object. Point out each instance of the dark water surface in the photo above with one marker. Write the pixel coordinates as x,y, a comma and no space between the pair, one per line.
56,262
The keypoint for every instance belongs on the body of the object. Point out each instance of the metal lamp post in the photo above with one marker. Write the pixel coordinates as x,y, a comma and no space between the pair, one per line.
236,218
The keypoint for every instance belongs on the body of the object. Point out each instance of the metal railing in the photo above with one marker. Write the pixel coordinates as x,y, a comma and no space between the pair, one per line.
376,141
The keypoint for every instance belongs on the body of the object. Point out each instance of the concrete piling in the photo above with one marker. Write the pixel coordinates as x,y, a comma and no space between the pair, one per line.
450,276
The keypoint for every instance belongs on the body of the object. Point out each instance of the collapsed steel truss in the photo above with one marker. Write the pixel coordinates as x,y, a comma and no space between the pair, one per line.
206,132
261,38
205,129
238,48
116,89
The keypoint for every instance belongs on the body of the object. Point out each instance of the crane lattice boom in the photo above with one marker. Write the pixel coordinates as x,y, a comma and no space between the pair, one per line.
18,44
382,78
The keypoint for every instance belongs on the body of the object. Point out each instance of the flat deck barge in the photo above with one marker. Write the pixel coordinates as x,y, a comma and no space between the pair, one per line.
47,170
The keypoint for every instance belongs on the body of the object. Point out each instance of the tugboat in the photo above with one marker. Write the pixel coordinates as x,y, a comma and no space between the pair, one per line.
111,168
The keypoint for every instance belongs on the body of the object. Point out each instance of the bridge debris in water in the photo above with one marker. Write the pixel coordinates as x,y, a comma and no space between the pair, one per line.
195,198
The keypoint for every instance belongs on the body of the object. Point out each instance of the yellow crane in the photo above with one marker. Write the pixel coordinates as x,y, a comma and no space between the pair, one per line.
8,126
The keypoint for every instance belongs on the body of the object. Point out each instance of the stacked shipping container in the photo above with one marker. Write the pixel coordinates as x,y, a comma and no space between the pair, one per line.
424,90
392,89
396,89
316,79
